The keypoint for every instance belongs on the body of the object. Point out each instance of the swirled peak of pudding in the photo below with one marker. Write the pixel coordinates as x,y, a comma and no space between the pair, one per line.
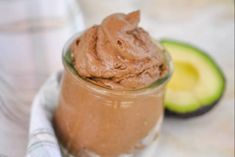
118,54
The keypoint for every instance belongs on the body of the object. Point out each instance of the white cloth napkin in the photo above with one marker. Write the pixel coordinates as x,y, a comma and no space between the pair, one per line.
42,139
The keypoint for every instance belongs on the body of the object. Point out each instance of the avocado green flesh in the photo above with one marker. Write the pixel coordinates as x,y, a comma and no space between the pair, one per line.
197,80
68,60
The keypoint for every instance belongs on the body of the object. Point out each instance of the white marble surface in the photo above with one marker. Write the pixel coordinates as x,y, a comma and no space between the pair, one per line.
209,24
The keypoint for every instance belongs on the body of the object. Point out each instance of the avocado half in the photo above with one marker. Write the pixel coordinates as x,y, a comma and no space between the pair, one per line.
197,83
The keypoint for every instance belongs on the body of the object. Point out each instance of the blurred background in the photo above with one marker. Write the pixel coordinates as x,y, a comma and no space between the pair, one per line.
32,35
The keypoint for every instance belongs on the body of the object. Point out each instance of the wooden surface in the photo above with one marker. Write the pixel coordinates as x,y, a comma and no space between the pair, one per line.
30,51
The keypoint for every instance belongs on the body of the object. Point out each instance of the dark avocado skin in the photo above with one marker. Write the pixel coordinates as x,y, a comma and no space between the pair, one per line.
206,108
196,113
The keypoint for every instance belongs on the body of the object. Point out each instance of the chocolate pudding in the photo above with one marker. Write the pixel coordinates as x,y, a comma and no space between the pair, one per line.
111,99
118,54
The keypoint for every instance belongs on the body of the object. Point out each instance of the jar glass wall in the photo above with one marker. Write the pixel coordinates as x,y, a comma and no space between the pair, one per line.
91,119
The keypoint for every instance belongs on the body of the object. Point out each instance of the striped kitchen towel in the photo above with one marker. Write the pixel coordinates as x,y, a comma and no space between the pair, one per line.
42,139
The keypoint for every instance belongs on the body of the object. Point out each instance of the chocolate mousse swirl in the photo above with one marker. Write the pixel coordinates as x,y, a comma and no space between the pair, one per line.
118,54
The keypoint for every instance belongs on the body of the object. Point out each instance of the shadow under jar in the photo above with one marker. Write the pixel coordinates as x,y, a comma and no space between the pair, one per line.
93,121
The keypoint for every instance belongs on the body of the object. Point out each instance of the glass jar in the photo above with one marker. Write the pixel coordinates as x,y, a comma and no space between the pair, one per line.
93,121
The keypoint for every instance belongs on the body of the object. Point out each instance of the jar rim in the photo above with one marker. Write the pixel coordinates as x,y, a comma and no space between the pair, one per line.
150,87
